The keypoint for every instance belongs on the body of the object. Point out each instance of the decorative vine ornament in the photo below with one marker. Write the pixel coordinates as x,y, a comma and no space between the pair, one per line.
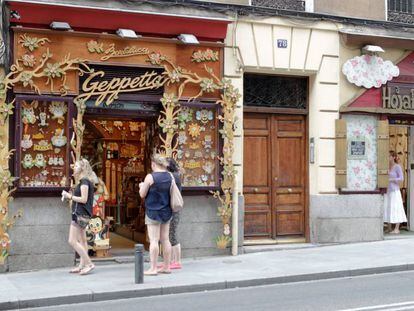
24,72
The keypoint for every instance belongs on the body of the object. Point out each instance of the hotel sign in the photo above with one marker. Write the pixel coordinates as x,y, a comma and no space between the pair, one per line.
398,97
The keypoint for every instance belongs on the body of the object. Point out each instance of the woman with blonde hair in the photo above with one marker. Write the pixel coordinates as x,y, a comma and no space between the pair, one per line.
156,191
393,205
82,201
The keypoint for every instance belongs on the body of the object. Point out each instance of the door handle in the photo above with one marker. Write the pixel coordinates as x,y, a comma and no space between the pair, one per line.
255,190
276,178
289,190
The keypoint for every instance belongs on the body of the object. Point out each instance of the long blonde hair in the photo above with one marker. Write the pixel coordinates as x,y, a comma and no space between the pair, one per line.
160,160
86,171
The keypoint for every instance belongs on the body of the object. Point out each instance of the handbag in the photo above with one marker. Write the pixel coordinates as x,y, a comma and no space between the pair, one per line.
81,220
176,199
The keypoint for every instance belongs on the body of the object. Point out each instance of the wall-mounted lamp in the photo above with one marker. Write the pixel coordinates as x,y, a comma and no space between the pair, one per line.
373,49
188,38
60,26
15,14
127,33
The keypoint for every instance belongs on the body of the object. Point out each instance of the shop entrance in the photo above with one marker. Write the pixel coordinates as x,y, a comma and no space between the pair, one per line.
119,147
402,142
274,176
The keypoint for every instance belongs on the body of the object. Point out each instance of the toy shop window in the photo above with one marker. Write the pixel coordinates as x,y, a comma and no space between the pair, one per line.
42,133
199,145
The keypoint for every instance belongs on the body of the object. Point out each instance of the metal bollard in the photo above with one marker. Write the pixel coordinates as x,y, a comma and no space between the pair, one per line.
139,263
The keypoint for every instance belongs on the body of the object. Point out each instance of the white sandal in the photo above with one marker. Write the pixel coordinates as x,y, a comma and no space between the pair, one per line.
87,269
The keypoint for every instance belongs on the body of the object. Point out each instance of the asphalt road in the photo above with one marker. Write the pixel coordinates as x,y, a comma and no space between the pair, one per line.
394,291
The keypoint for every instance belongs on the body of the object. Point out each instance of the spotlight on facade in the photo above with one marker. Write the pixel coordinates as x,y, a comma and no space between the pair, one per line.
15,14
373,49
60,26
188,38
126,33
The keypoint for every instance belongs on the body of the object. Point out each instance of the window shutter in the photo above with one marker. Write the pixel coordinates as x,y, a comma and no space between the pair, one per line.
383,149
340,153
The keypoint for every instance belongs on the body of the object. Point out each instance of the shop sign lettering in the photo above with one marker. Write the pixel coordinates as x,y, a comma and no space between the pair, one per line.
398,98
112,52
108,91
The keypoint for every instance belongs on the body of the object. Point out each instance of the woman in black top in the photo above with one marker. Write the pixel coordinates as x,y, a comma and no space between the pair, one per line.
82,200
156,190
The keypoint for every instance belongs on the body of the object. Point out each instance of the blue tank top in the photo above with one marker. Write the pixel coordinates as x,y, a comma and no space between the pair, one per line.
157,201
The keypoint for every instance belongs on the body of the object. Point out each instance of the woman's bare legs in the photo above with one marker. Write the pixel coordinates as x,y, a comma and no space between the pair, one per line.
396,229
154,237
176,254
77,243
166,246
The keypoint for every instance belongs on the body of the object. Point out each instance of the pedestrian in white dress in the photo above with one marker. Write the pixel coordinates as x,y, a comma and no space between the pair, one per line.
393,205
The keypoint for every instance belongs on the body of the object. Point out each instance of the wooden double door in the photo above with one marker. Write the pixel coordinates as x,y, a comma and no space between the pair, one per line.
275,170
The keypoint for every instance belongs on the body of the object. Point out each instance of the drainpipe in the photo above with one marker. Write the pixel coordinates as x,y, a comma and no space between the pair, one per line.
235,219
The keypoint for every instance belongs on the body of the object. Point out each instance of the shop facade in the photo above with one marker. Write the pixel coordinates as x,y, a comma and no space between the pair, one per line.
379,118
114,101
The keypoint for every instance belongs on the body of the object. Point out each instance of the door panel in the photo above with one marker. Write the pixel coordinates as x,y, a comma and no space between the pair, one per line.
274,175
257,187
288,174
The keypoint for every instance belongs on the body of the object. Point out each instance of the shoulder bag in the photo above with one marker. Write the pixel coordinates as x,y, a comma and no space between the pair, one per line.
176,199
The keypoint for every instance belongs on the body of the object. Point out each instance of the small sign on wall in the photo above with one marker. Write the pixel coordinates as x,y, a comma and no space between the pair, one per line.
357,149
282,43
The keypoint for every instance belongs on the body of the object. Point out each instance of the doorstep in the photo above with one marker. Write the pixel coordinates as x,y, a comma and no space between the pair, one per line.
278,240
268,245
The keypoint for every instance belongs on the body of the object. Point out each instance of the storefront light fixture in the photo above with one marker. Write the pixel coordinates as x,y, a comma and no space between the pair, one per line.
188,38
127,33
374,49
60,26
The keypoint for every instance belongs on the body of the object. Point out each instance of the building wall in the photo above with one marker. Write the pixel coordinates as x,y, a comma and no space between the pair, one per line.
39,238
368,9
314,51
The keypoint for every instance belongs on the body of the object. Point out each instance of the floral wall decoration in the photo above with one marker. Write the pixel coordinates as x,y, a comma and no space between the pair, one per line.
205,56
369,71
362,173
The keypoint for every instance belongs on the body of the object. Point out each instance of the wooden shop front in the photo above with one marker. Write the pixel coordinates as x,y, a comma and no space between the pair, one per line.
114,101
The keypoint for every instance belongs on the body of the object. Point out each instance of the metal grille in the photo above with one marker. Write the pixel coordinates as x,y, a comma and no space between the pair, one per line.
294,5
401,6
275,91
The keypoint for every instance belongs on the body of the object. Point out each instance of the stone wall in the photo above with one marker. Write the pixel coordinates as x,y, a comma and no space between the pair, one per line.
346,218
39,238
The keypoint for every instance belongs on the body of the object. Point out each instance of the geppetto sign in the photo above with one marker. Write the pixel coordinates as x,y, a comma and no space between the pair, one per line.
108,91
398,97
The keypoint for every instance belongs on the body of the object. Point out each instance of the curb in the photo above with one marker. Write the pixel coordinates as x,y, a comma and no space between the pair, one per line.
157,291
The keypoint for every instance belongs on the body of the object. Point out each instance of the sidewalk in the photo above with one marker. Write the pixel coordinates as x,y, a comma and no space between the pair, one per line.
53,287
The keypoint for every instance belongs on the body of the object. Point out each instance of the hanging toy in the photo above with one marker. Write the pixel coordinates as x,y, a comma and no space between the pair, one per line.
58,109
26,143
58,140
40,161
28,114
43,118
204,116
27,161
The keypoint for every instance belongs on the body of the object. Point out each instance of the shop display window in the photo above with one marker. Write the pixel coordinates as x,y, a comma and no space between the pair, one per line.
198,145
42,143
